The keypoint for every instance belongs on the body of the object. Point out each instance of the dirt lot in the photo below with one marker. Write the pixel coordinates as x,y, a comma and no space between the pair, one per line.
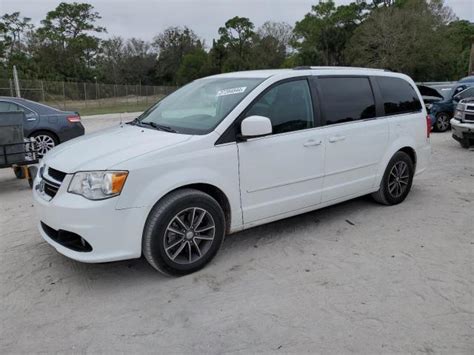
356,277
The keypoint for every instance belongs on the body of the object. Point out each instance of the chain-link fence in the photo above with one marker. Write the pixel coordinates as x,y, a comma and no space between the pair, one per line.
87,97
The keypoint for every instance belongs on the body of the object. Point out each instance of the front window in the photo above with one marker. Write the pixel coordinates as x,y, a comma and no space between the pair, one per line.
200,106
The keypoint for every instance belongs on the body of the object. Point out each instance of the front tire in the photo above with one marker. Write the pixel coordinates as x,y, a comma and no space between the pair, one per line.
397,180
442,122
184,231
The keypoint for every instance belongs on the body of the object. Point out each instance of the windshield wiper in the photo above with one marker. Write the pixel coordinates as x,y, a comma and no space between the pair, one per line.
159,127
135,121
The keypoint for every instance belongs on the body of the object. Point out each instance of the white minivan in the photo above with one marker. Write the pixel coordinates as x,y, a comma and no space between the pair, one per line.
227,153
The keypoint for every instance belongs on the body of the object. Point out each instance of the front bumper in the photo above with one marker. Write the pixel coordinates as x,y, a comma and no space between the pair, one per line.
113,234
462,132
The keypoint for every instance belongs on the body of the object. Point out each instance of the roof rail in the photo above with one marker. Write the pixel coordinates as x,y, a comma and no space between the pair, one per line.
308,67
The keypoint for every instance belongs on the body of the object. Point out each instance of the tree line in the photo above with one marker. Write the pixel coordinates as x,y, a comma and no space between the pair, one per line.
422,38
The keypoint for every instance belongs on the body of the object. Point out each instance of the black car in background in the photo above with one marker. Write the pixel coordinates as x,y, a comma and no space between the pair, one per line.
48,125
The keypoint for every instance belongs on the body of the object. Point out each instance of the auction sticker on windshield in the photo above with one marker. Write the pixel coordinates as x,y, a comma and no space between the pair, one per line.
232,91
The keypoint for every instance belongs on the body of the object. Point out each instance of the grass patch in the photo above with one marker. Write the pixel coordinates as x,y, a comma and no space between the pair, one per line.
119,108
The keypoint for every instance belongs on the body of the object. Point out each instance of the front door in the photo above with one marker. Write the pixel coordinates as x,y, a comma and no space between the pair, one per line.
282,172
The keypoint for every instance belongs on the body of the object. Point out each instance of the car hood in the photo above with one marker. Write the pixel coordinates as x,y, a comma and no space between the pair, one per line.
429,91
104,149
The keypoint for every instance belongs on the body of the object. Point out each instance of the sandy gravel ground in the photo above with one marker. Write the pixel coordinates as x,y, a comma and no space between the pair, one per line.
356,277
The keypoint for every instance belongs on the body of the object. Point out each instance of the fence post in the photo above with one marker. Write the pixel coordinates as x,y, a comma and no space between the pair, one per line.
42,91
85,94
138,92
11,87
64,95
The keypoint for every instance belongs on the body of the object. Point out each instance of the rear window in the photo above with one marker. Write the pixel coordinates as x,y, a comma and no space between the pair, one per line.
398,96
346,99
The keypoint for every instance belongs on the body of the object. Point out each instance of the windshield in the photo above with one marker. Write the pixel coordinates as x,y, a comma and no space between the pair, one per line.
198,107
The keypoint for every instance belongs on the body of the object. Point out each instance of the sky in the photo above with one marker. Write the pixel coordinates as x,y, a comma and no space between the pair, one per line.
146,18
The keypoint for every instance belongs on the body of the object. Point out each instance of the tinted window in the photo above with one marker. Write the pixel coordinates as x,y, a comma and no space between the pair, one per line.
469,92
287,105
398,96
346,99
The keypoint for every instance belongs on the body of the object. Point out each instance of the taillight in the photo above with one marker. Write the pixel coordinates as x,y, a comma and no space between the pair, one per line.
74,118
428,126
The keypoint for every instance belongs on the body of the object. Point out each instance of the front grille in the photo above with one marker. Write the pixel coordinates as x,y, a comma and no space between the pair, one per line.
50,188
470,108
56,174
468,117
67,239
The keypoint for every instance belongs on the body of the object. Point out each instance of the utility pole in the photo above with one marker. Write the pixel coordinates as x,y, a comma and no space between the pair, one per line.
16,82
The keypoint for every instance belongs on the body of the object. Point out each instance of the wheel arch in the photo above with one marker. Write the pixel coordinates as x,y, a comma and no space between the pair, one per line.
410,152
212,191
37,131
405,145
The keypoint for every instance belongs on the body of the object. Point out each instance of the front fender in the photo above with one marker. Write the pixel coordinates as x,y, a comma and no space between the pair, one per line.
148,182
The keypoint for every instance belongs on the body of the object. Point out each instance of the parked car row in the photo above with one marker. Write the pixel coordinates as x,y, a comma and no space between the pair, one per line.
462,124
49,126
440,108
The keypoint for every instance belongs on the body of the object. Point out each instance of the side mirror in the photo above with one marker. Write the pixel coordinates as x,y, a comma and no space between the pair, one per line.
255,126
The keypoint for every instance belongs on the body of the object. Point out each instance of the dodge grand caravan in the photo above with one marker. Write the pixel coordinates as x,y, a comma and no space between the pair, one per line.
230,152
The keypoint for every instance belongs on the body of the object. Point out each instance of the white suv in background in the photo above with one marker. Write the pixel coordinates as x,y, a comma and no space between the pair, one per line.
227,153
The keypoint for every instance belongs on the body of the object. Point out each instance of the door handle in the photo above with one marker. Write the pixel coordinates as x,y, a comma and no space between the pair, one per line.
312,143
335,139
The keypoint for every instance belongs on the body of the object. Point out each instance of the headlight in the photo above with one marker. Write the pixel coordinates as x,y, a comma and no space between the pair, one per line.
458,114
98,185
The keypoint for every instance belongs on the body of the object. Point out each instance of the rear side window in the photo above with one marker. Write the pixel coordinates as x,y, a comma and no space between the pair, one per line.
7,107
398,96
346,99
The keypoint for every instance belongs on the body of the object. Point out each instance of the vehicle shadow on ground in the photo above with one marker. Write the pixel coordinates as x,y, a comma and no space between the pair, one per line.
138,271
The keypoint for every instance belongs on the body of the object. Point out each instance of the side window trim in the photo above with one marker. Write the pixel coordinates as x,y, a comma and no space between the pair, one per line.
375,94
230,134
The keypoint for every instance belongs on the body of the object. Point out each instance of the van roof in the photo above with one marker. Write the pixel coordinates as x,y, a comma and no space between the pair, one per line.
323,70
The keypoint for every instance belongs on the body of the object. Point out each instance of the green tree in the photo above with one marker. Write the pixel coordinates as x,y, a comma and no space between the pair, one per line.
236,42
126,61
14,31
271,45
172,45
65,45
321,37
195,65
411,36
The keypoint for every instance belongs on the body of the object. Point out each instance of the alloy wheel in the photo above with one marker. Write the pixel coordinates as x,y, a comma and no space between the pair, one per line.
442,122
189,235
398,179
44,143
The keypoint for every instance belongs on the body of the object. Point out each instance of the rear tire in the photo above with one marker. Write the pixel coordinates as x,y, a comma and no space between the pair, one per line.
45,141
442,122
397,180
184,232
